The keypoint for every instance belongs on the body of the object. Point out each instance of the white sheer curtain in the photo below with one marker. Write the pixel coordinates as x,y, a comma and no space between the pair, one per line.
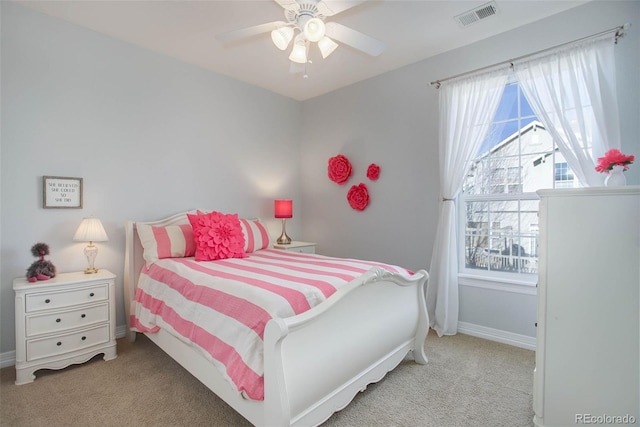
467,106
573,93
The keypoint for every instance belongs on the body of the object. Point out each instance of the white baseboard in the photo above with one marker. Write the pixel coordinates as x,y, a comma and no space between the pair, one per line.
121,331
8,358
504,337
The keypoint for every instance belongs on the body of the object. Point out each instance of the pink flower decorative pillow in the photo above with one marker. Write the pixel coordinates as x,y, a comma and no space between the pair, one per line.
174,241
217,236
255,235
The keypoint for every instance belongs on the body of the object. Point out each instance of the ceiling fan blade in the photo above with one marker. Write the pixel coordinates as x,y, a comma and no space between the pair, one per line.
289,4
331,7
355,39
242,33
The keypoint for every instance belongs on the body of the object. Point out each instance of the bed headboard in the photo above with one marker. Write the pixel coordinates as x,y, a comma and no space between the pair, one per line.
133,260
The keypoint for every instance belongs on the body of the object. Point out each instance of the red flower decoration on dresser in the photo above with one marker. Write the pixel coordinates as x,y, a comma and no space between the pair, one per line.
373,172
358,197
611,158
339,169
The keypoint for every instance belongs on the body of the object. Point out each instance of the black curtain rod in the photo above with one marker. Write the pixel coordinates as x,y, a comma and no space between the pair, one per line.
619,30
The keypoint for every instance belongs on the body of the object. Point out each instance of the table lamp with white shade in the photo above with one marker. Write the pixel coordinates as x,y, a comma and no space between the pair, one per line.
91,230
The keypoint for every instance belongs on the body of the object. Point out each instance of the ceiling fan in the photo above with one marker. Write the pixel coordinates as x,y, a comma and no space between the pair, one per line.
306,17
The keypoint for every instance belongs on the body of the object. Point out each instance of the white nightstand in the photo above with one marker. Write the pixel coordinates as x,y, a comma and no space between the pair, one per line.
64,320
303,247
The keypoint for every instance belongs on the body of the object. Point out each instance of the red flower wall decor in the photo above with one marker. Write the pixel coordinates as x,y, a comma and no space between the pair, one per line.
339,169
373,172
358,197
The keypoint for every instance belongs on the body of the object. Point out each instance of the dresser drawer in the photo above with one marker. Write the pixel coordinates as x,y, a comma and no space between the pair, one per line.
52,346
64,320
66,298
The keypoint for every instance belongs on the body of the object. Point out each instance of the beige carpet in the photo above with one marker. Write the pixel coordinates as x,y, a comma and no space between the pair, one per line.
467,382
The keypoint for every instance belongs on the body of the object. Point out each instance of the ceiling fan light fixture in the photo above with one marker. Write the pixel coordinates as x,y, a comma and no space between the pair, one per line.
314,29
281,37
299,52
327,46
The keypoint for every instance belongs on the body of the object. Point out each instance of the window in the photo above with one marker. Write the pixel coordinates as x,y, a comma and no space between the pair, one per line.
563,176
499,204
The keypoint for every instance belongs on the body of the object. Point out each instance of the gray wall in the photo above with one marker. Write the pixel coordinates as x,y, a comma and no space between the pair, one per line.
152,136
392,120
386,121
149,135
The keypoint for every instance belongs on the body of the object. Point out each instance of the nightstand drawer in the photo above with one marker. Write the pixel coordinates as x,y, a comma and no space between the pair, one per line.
52,346
66,298
64,320
304,249
297,246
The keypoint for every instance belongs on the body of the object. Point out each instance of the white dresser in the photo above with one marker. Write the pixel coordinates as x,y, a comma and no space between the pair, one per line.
64,320
588,348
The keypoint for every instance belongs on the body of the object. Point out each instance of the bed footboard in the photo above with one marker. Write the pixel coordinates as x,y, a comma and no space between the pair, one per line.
316,363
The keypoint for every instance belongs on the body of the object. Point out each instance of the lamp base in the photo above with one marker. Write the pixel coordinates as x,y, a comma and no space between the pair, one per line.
284,239
90,252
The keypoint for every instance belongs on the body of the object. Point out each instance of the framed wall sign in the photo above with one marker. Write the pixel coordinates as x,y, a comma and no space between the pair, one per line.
62,192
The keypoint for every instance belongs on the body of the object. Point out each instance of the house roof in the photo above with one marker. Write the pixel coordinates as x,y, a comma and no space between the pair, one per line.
493,144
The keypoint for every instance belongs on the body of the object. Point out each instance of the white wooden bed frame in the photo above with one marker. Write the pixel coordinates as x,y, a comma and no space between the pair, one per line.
316,362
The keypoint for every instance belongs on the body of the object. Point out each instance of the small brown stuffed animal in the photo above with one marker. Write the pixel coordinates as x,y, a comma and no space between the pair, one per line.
40,269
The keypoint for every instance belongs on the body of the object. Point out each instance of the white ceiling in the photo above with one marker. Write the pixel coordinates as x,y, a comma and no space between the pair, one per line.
186,30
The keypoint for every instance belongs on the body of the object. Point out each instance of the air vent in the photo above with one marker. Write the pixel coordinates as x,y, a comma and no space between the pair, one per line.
475,15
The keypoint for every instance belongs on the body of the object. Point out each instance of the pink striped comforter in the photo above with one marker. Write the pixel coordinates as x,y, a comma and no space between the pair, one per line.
223,306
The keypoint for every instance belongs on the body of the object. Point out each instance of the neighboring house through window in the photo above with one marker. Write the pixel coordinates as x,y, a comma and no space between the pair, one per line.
498,203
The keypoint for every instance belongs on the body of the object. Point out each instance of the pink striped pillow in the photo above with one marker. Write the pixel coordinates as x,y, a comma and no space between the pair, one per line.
173,241
255,235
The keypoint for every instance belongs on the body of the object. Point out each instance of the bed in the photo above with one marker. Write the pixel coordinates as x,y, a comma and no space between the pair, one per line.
314,361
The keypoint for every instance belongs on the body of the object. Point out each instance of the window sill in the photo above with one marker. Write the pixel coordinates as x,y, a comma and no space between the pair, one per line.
527,287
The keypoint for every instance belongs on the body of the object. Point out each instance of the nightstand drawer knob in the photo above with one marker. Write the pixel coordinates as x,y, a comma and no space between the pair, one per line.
47,301
84,338
58,320
91,294
59,343
83,315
